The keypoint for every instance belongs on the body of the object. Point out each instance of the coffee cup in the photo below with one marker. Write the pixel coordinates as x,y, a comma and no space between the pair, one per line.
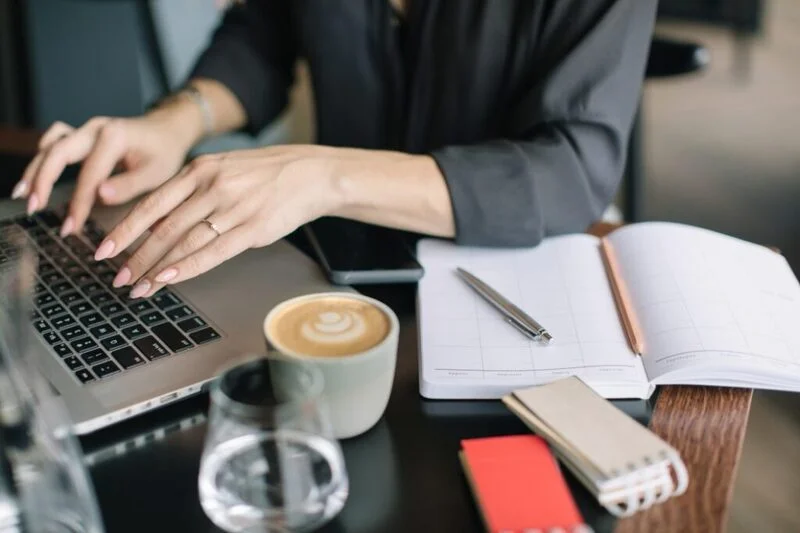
352,340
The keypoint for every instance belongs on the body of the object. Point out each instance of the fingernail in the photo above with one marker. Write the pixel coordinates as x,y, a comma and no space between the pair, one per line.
104,250
106,190
122,277
19,190
67,227
33,203
140,289
167,275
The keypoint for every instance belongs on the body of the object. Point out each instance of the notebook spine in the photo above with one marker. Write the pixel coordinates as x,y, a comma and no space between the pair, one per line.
643,490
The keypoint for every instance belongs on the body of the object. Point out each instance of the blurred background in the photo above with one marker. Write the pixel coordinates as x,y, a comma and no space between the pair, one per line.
717,147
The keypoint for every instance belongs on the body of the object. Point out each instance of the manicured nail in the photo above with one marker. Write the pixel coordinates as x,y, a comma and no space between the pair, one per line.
106,190
122,277
167,275
19,190
140,289
33,203
67,226
104,250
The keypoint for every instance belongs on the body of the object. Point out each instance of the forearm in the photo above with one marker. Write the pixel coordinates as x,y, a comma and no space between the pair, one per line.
187,120
395,190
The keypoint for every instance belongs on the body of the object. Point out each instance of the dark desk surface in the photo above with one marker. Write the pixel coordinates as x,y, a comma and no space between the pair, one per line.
404,473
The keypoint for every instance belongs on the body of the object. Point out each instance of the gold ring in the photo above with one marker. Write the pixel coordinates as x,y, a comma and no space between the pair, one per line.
213,227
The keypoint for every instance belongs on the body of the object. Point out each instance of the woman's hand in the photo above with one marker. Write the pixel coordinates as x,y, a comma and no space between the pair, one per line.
220,205
148,151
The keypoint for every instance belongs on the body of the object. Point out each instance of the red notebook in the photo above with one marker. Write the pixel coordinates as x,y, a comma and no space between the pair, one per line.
518,485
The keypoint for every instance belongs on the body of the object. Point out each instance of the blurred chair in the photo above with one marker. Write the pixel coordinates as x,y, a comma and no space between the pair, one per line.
668,58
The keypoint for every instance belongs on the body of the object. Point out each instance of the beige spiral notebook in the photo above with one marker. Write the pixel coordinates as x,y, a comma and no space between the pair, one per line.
625,465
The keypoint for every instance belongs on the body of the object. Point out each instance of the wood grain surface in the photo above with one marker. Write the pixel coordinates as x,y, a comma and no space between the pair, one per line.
707,426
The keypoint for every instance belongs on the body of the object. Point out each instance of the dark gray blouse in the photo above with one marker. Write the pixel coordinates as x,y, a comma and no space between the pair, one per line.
526,105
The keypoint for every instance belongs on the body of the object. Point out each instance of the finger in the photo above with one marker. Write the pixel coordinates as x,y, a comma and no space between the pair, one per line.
54,133
215,252
154,206
61,153
107,151
126,186
22,187
177,226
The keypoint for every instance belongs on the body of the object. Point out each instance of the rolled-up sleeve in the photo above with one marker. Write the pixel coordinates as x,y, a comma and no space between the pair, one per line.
252,53
564,143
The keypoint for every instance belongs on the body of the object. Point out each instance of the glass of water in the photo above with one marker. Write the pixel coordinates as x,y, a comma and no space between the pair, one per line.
270,462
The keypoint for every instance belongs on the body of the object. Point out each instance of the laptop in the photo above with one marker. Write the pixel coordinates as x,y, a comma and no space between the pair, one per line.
111,358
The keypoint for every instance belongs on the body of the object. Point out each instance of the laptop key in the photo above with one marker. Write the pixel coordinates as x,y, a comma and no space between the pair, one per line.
62,350
92,319
73,333
91,288
40,288
52,310
134,331
41,326
95,356
153,317
73,363
83,278
107,278
81,345
72,270
191,324
105,369
127,357
62,287
150,347
102,298
112,343
51,277
103,330
140,306
46,267
165,300
123,320
178,313
51,337
81,308
26,222
84,376
169,335
101,267
44,299
112,309
49,219
62,321
71,297
204,335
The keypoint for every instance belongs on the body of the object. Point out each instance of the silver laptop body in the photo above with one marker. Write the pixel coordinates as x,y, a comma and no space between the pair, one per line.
233,299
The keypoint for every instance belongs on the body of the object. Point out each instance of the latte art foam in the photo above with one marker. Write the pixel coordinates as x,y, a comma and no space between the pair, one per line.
329,326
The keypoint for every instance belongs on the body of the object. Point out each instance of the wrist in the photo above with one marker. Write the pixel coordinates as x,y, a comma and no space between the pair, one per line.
181,119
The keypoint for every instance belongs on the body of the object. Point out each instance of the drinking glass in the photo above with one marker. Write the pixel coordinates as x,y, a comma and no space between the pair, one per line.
270,462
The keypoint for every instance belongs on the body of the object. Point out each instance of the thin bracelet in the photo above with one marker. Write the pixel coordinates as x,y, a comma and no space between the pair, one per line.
205,108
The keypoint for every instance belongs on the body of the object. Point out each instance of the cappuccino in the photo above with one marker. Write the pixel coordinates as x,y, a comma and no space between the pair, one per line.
329,326
352,340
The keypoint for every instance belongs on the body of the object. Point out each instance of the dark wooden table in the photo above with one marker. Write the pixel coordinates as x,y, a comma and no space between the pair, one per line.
404,473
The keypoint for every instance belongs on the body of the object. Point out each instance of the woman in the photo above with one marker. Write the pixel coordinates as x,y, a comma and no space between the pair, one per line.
493,122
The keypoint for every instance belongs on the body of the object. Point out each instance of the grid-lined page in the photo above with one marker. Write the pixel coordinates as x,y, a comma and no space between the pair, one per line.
707,301
468,351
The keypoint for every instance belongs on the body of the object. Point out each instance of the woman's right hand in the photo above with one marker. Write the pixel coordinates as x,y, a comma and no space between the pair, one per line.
146,151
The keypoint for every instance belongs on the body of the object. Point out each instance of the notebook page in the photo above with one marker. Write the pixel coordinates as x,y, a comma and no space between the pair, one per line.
710,303
468,351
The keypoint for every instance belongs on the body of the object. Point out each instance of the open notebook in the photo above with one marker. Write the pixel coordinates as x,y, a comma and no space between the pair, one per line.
711,310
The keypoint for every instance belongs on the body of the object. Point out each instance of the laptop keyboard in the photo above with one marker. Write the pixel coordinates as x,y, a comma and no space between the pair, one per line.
94,329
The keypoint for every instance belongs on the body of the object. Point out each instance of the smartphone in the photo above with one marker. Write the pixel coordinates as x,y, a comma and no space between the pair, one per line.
353,253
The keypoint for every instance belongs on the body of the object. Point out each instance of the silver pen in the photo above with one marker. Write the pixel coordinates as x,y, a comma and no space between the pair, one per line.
513,314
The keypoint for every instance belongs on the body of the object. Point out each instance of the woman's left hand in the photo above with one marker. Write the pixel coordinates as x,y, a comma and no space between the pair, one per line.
219,206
